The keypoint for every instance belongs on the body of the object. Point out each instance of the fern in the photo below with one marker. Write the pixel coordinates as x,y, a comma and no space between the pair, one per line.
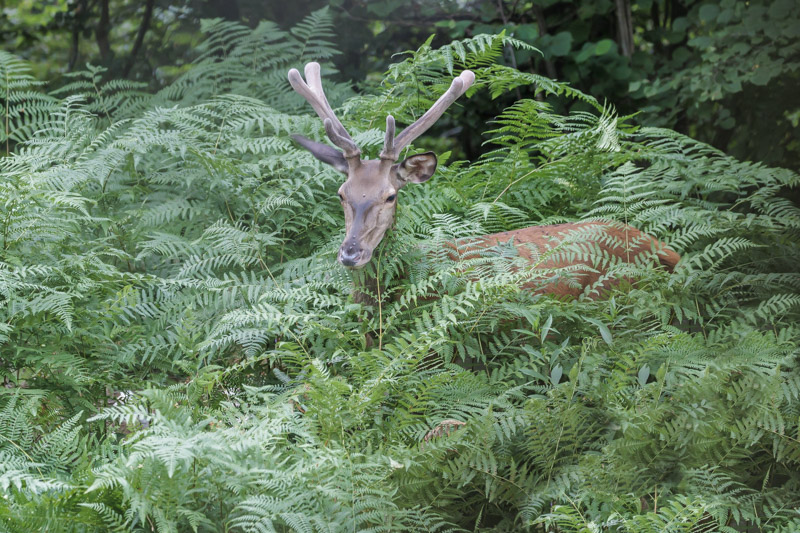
181,351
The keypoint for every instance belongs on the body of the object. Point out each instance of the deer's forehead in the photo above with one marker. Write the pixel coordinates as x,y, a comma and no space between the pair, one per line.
368,182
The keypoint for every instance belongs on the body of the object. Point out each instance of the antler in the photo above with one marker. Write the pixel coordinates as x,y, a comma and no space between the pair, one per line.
313,93
393,146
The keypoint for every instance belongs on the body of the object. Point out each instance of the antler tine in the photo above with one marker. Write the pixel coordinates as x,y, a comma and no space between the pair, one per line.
388,139
457,88
315,95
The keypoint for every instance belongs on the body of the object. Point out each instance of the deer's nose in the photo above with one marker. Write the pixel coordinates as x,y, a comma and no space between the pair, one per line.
349,254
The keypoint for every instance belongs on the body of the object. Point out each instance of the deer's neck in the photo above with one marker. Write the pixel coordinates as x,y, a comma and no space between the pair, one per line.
365,287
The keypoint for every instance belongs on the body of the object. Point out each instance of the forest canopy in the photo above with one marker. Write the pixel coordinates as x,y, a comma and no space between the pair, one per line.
180,350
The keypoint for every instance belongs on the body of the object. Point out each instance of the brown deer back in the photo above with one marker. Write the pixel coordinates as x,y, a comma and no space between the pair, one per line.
595,245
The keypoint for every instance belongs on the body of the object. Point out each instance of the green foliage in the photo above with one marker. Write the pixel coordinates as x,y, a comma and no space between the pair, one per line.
181,352
726,65
724,72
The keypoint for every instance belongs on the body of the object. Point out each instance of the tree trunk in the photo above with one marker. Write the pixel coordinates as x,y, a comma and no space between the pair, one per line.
509,49
101,34
78,21
624,27
143,26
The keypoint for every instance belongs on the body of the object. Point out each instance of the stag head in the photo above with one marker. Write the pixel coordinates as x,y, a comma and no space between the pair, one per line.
369,194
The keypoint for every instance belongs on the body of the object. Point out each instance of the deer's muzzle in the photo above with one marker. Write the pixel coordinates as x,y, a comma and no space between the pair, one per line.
352,255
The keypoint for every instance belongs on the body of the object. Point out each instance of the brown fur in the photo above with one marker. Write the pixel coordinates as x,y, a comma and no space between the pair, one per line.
585,243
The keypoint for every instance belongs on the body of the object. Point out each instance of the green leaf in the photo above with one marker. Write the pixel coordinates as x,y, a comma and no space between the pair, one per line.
604,46
680,24
546,328
701,42
573,372
527,32
586,53
561,44
604,331
555,375
643,374
708,12
740,48
764,73
661,373
780,10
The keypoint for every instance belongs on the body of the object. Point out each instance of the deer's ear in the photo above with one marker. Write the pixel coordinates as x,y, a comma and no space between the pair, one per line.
323,152
416,169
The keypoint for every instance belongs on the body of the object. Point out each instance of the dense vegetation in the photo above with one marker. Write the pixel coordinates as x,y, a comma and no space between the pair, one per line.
180,351
725,72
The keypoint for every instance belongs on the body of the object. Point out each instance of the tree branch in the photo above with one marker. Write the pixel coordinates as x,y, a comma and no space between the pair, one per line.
145,24
542,25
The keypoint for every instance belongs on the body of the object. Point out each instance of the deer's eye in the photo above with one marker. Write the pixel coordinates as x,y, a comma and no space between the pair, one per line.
391,199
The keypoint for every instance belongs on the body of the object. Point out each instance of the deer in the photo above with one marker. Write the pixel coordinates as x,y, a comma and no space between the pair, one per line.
369,196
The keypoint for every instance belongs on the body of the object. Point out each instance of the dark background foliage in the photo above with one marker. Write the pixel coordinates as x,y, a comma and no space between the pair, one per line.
726,72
